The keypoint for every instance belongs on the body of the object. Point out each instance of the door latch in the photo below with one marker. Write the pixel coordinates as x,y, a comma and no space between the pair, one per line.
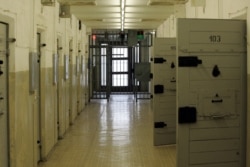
189,61
159,60
158,89
160,124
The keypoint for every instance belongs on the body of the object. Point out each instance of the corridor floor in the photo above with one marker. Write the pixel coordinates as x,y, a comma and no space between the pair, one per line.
117,133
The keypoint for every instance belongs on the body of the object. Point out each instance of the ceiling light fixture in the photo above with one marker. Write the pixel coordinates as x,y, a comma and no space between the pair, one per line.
123,4
122,14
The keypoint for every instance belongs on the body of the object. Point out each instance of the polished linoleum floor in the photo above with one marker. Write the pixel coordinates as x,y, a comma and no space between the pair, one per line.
118,133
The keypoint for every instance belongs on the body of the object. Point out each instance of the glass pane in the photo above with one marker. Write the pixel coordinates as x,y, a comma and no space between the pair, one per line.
120,65
120,80
119,52
137,54
103,65
103,70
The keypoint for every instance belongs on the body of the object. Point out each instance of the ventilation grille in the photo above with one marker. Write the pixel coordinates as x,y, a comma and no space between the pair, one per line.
165,2
65,11
48,2
78,2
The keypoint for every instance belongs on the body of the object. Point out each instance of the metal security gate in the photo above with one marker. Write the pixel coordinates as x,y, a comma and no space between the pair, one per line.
121,72
112,65
141,66
4,145
99,69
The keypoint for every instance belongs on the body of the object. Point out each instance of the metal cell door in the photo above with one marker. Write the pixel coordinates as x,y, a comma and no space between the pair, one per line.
164,98
3,96
211,86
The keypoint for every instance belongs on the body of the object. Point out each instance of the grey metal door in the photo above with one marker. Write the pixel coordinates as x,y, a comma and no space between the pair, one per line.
3,96
211,86
164,99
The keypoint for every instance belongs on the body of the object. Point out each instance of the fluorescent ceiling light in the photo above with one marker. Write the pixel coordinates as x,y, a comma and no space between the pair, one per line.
122,14
111,20
132,20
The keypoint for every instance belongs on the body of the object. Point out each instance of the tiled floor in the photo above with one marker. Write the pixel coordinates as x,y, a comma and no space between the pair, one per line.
114,134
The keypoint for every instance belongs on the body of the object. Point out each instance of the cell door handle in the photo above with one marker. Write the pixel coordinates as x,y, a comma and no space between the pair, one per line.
1,113
217,101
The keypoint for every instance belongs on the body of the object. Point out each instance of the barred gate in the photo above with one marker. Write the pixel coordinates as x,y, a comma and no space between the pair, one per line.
112,65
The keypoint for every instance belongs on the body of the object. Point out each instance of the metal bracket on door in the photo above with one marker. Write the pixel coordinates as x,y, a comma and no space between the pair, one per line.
158,89
187,114
11,40
217,99
160,124
159,60
189,61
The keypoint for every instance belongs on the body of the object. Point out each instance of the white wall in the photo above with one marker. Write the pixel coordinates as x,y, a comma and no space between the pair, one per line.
168,28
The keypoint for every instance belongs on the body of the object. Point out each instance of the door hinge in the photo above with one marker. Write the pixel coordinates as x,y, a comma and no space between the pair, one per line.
151,75
189,61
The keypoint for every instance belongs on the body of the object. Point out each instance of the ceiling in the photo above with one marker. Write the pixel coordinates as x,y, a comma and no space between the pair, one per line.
107,14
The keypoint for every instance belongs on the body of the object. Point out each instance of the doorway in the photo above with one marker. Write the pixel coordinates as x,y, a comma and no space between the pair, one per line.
112,65
121,71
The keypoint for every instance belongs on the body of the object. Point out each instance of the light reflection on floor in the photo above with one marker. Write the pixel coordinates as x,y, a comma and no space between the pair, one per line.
117,133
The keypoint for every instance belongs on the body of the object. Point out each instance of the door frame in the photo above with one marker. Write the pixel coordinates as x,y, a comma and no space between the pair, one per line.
42,31
38,126
7,93
128,88
11,85
60,111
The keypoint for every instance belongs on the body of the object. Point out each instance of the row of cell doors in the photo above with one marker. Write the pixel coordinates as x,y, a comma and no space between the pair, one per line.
35,76
67,107
4,114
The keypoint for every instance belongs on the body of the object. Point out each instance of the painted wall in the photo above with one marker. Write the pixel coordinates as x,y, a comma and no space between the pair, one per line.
217,9
168,28
26,18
